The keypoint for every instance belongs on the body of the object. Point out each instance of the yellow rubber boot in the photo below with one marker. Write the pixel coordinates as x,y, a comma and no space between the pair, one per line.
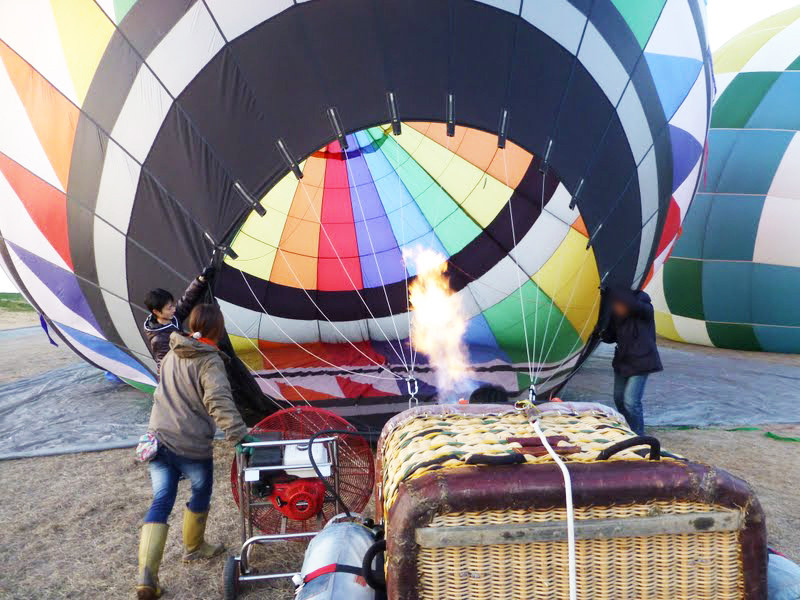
195,546
151,549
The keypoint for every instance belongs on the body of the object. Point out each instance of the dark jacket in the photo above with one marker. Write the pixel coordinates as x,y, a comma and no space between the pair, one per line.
635,335
158,333
192,399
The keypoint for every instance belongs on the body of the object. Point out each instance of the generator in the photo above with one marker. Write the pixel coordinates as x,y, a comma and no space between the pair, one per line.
476,505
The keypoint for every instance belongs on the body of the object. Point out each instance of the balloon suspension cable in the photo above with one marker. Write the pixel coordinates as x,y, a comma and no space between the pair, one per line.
531,356
413,388
253,372
355,186
586,322
264,310
309,422
411,351
569,355
530,402
324,230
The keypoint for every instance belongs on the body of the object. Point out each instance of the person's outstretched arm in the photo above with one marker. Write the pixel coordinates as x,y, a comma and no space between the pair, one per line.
193,294
218,400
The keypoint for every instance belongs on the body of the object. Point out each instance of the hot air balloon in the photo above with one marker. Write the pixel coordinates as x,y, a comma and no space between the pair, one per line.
542,148
733,277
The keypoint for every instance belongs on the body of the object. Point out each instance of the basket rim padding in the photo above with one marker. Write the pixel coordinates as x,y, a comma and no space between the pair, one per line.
594,484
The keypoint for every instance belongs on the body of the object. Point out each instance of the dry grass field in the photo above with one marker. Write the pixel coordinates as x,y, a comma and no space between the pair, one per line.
71,523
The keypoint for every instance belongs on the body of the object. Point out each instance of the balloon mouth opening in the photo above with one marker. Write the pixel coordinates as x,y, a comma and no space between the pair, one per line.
364,229
342,219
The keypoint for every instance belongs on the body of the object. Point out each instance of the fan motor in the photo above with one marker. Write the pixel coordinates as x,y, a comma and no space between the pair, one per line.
300,500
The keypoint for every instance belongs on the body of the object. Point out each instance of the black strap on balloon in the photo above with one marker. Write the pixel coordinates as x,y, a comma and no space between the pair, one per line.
639,440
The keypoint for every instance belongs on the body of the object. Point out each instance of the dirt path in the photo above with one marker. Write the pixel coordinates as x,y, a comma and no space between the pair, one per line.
25,351
70,523
15,319
771,467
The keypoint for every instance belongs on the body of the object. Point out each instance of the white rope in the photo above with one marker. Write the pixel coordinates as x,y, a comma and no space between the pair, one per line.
569,356
311,424
398,183
372,247
346,272
309,352
568,305
290,404
252,371
559,284
434,181
597,298
517,269
311,299
573,579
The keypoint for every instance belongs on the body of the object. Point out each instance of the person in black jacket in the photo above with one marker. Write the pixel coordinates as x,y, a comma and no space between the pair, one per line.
631,324
167,316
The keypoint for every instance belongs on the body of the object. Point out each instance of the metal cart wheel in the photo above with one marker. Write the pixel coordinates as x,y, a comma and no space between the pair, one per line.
230,579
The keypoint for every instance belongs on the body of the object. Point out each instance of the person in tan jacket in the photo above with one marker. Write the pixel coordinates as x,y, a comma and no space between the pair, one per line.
192,399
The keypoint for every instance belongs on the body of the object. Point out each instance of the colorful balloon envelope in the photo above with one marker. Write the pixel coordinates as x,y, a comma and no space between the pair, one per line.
543,149
734,276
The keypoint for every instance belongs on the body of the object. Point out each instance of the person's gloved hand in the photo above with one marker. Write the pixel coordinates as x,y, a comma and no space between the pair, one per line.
208,273
245,440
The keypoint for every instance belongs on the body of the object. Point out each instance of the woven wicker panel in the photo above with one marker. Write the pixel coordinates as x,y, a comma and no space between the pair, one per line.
426,443
689,566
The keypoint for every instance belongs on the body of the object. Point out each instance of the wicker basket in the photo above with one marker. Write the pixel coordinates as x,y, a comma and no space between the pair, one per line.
668,529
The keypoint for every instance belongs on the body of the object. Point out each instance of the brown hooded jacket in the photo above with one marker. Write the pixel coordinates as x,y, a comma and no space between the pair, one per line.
192,399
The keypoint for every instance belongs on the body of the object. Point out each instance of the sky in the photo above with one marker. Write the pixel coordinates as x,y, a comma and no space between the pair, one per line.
5,284
726,18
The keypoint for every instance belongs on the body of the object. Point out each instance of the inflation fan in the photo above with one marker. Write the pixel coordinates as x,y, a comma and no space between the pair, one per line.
286,495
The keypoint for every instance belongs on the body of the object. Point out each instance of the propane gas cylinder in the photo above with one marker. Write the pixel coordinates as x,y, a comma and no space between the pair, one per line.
332,564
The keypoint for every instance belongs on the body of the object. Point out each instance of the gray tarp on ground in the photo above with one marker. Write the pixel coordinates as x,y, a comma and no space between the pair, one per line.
77,409
703,386
72,409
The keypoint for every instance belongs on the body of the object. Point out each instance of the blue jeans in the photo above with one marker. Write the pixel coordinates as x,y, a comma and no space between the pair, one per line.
165,472
628,392
783,579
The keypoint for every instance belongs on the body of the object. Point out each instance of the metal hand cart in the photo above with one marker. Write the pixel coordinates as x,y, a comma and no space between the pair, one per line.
249,467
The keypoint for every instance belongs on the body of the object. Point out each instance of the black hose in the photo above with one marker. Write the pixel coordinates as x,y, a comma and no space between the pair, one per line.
369,575
322,478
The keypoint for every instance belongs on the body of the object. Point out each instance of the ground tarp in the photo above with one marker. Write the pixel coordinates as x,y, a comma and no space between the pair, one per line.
703,386
71,409
75,408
